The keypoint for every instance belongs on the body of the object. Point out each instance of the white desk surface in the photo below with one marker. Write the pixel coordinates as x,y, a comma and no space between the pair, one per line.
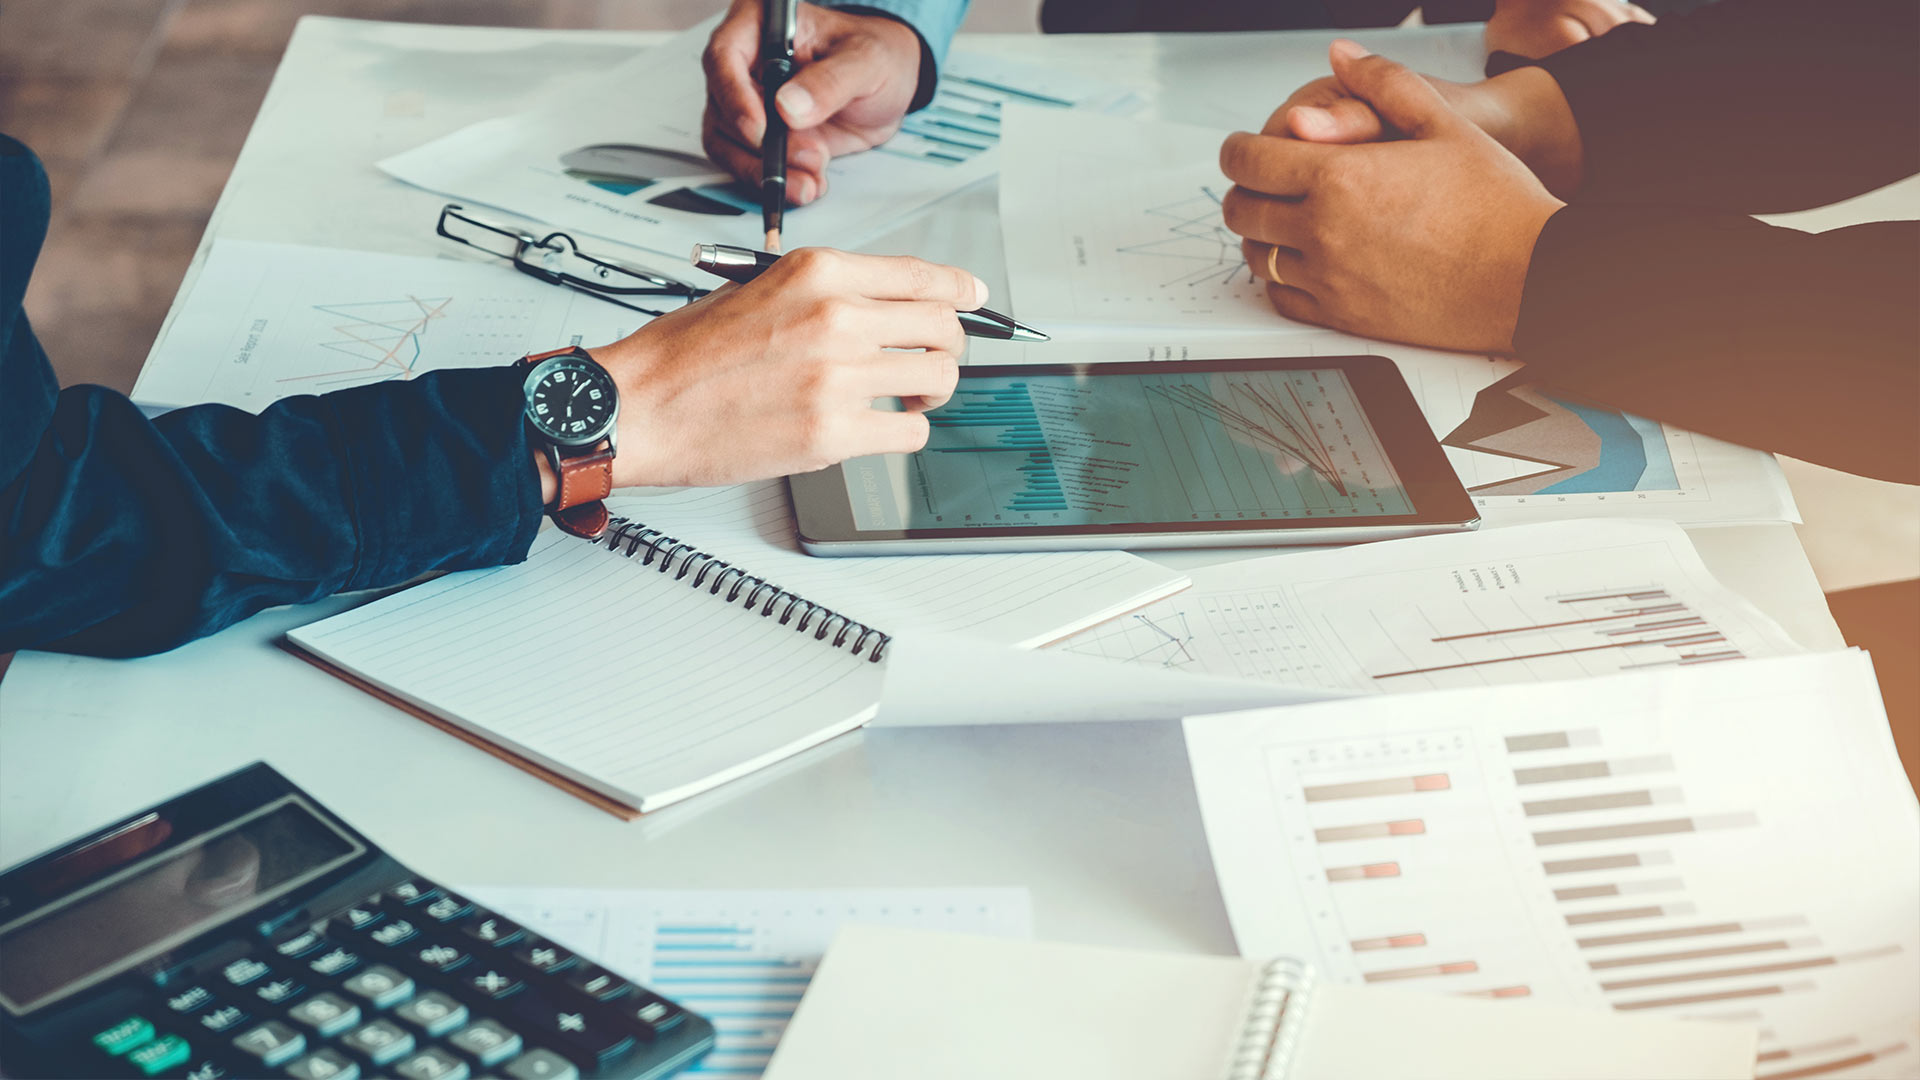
1099,820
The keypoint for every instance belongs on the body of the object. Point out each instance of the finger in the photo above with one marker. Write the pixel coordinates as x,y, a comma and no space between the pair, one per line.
1599,16
1265,218
1297,304
927,377
1345,120
883,432
1562,31
1278,265
1401,97
728,61
1271,165
918,324
820,89
1636,13
803,185
1320,92
891,277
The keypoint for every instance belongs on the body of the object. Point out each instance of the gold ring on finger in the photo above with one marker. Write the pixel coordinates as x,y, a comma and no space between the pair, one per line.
1273,266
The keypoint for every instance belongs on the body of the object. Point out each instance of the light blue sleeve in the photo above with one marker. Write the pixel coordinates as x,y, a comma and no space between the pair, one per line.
935,21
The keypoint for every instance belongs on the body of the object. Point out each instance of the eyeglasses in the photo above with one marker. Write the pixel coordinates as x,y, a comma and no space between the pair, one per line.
556,259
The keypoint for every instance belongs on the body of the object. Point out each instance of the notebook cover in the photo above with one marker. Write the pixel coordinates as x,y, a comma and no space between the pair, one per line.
570,786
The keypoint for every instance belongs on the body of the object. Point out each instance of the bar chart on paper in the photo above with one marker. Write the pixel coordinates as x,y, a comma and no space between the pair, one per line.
1639,852
1529,603
742,957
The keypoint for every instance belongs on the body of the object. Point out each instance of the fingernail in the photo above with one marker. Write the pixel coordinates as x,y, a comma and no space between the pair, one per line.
796,103
810,158
979,293
804,189
1351,50
1312,120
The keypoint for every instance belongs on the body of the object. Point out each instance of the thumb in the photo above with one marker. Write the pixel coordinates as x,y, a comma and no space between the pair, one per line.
822,88
1401,97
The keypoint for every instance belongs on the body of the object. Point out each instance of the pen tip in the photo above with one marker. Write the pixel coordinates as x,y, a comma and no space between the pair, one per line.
1023,332
773,241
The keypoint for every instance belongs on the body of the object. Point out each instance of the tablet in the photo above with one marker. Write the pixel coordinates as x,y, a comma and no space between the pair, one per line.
1189,453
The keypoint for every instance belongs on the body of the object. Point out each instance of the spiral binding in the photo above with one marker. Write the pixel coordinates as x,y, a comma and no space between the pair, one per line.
1274,1022
749,591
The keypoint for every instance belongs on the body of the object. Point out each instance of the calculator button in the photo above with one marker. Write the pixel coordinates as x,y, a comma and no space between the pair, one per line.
300,944
356,919
379,1042
207,1069
544,956
432,1063
280,991
494,983
380,986
434,1013
335,961
414,892
224,1019
446,909
324,1064
164,1054
584,1032
397,932
245,970
440,956
495,931
271,1043
326,1014
190,1000
598,983
486,1042
125,1035
542,1065
656,1014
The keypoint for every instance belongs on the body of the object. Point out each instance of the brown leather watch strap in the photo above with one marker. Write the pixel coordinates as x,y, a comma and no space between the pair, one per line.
584,481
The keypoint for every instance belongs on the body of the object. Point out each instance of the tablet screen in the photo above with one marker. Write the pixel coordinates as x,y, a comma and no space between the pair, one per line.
1045,450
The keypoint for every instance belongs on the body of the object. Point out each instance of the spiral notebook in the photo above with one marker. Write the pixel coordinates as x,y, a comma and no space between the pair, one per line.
640,669
890,1002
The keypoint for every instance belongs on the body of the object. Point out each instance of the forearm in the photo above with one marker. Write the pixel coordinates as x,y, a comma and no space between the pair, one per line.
125,536
1805,344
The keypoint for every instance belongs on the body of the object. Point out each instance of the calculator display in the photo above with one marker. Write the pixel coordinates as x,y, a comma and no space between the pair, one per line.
141,909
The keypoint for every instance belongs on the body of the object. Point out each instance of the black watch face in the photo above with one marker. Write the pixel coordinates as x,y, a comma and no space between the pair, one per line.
571,401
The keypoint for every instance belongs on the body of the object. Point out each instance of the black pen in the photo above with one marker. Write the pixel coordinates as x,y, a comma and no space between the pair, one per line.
743,265
777,27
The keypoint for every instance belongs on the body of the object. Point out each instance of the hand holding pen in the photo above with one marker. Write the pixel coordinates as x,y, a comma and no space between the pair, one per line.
743,265
854,76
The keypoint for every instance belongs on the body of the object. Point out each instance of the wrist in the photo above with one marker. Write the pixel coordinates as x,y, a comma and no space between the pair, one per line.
549,483
1529,115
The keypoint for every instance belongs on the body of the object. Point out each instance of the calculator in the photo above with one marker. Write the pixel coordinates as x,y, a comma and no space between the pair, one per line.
242,930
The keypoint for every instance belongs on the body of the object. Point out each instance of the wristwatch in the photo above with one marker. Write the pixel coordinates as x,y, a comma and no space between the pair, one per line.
572,404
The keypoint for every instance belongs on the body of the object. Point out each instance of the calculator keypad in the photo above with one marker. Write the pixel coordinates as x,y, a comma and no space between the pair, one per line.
417,983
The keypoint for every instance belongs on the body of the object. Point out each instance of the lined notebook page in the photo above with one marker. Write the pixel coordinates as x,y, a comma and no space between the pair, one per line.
1025,599
628,681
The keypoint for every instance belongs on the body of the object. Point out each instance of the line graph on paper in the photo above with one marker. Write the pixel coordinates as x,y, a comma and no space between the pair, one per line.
1197,248
1162,637
380,340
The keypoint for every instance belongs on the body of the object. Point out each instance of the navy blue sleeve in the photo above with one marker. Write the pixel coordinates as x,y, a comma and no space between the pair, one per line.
121,536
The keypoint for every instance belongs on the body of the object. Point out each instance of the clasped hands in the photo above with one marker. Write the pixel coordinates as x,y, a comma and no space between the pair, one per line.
1389,205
